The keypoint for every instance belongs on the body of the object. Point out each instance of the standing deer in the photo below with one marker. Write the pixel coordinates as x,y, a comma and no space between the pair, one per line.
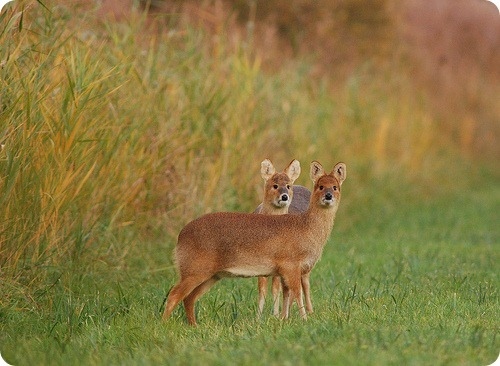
281,198
230,244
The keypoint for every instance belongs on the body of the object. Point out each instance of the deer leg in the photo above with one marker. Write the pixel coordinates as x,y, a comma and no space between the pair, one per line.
190,299
292,279
307,292
179,292
262,286
276,286
285,309
297,294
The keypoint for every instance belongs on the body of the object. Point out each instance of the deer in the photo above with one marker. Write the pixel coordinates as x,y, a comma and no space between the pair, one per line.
235,244
281,197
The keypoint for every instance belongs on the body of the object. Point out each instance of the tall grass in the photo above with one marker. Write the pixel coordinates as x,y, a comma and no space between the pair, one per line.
106,129
119,132
444,52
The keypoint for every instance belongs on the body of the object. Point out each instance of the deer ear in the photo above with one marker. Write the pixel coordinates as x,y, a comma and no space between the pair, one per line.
267,169
339,172
293,170
316,171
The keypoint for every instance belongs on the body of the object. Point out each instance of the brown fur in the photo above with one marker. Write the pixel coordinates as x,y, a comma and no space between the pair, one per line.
225,244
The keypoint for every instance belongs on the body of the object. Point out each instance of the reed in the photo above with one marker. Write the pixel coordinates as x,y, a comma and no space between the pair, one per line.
96,115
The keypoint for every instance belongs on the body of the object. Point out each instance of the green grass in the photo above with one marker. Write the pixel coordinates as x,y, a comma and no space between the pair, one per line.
117,135
415,286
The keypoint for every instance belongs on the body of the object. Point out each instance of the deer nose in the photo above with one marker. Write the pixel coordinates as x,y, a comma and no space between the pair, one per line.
284,197
328,196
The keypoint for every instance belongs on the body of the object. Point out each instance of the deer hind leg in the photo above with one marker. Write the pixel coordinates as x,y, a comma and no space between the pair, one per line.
179,292
276,287
307,292
262,286
190,299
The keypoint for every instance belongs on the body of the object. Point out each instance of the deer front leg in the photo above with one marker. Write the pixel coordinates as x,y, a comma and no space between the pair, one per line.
307,293
285,310
262,286
276,286
292,291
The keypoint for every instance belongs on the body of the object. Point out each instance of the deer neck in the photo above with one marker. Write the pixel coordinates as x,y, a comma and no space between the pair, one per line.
320,222
270,209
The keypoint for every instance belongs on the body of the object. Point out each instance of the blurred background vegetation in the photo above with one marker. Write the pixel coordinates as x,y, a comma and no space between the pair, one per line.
123,120
445,52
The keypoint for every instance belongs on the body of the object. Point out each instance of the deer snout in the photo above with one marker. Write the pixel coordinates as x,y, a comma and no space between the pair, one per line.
282,200
327,199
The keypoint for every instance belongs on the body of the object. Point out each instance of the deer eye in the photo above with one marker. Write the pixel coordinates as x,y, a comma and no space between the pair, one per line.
288,186
334,188
275,186
321,188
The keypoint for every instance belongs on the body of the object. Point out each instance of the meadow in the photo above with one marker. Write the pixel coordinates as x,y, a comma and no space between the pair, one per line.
116,134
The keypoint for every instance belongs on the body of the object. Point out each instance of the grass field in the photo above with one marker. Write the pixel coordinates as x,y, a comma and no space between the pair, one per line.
117,134
415,283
